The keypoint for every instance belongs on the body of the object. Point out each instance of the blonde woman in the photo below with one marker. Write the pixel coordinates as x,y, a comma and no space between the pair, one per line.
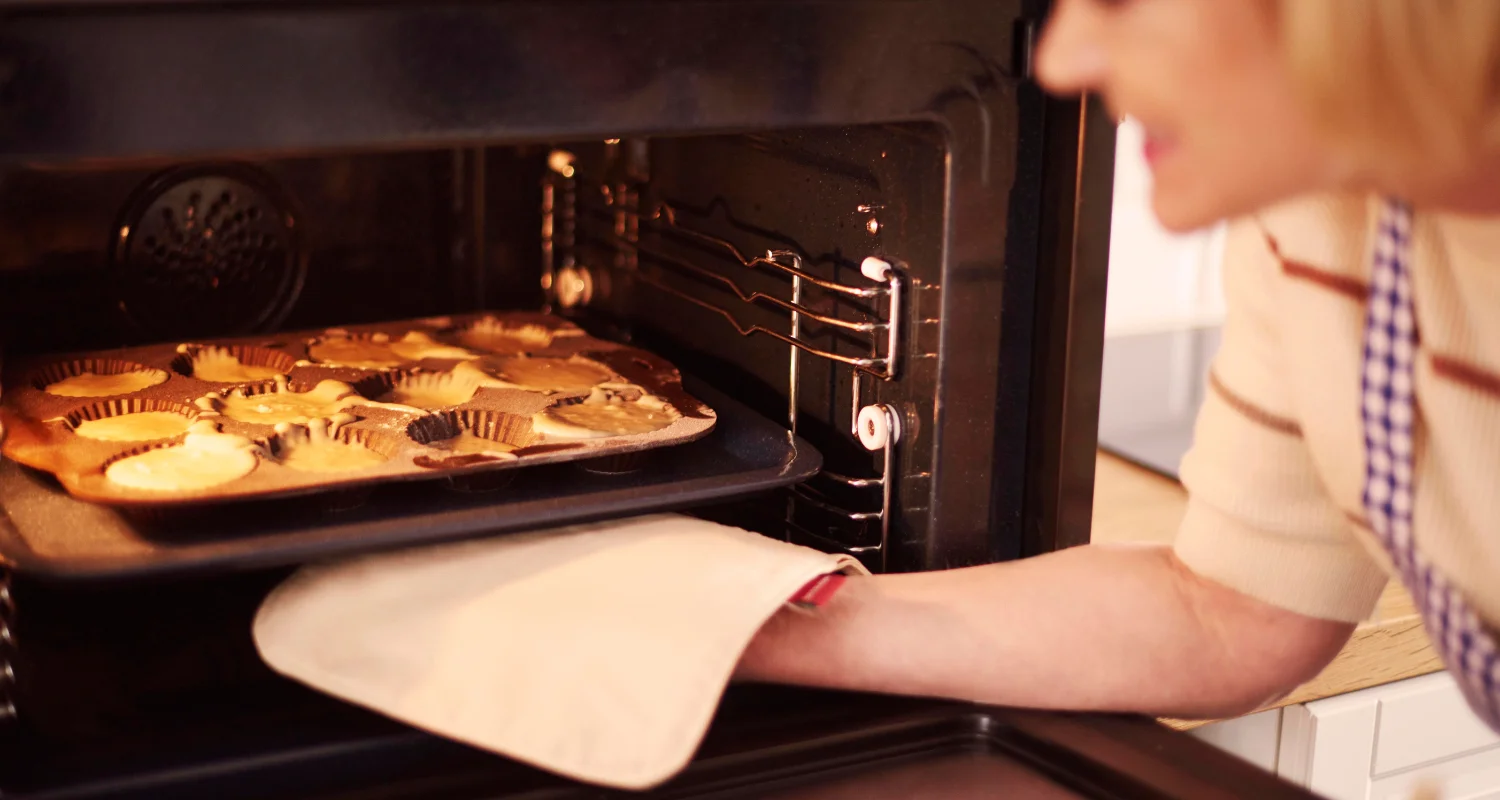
1352,430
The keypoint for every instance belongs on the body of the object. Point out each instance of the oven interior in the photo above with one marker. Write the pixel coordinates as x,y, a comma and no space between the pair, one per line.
737,257
797,273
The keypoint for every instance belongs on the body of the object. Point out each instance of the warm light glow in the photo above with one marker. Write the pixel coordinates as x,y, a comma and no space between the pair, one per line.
561,162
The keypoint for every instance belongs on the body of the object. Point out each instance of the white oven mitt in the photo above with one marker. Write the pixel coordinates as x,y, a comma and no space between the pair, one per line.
598,651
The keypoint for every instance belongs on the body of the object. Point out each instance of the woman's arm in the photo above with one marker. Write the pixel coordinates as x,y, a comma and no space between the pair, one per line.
1098,628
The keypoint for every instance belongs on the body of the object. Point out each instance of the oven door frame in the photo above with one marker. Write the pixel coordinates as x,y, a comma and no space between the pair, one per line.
764,739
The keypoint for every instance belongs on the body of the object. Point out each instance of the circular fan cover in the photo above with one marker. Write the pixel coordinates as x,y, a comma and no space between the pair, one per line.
207,251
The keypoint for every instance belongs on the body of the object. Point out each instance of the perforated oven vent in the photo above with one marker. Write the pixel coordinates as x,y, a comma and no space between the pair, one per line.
207,250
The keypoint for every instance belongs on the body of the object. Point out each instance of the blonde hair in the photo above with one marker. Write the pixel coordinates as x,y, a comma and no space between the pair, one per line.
1399,84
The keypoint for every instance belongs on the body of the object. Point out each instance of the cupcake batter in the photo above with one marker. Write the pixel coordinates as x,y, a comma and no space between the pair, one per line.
93,384
206,458
380,351
431,391
143,426
493,336
603,414
467,443
283,405
561,375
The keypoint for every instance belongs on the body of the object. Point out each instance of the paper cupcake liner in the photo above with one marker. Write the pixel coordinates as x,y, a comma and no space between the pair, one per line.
62,370
496,426
248,355
622,464
380,386
120,406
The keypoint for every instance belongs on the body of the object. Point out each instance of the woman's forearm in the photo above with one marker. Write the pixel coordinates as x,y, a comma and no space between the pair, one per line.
1114,628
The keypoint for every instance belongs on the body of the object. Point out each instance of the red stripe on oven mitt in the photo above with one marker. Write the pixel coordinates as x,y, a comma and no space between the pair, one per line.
597,651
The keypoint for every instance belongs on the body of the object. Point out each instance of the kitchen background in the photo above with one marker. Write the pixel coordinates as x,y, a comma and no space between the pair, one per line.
1165,308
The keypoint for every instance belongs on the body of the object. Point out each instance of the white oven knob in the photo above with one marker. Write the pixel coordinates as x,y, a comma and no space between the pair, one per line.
877,269
878,427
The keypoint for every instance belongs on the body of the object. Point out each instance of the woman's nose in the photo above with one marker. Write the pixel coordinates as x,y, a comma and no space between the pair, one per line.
1071,57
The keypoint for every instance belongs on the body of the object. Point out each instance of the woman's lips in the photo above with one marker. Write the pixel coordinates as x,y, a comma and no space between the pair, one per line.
1157,147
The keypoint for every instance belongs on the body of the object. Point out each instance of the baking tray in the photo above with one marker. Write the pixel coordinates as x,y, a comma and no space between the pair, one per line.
45,532
391,396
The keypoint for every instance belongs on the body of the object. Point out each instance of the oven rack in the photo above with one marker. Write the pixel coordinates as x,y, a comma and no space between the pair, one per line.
889,285
7,647
566,195
803,492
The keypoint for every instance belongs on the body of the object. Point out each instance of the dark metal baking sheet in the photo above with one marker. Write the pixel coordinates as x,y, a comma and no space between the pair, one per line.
46,533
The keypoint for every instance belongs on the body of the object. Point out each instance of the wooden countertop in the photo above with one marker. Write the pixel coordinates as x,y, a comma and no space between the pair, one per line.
1133,504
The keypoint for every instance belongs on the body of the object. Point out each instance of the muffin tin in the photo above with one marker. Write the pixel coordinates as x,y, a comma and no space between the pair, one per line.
268,395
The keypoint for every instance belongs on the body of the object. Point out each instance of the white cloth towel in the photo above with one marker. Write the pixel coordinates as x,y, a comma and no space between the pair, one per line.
597,651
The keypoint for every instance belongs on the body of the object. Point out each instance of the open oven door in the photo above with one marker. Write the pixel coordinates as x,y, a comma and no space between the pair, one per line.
767,742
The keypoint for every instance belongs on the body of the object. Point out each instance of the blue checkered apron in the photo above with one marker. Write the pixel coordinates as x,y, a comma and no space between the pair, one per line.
1389,412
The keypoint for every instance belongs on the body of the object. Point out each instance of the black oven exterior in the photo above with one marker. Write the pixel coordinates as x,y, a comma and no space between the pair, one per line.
997,216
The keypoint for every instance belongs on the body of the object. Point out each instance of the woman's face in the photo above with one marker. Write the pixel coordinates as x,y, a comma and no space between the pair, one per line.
1225,134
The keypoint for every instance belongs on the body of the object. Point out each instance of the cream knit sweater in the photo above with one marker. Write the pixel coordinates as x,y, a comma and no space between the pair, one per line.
1277,466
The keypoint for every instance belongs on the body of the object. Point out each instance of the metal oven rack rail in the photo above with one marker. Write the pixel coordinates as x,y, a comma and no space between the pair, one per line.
570,284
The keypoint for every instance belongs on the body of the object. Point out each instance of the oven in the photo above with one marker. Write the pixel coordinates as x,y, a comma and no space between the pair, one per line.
860,230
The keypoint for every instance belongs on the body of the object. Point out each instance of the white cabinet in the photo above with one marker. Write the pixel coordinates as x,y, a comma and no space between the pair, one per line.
1387,741
1150,390
1164,308
1383,743
1255,738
